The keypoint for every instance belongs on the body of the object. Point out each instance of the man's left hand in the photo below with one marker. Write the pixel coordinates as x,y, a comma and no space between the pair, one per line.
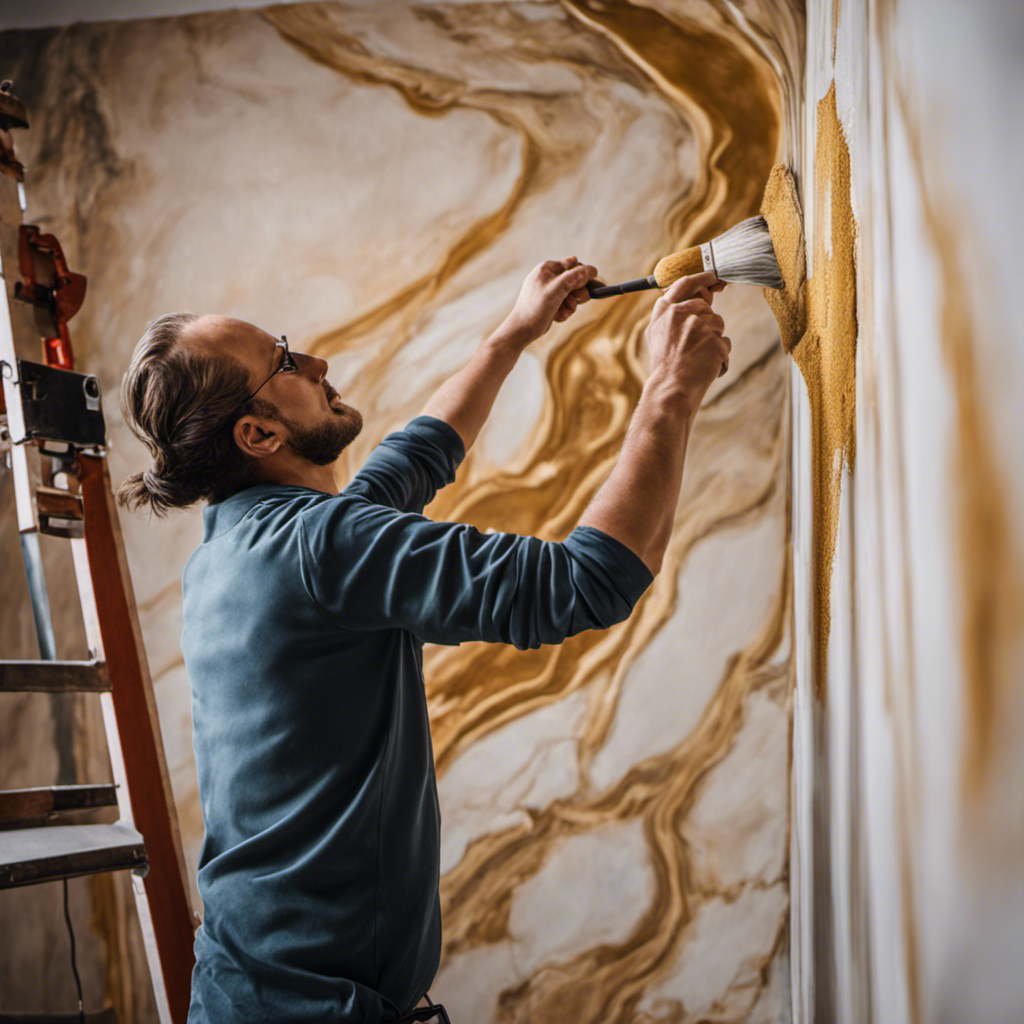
550,294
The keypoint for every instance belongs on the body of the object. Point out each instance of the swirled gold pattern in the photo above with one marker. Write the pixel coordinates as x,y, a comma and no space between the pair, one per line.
376,179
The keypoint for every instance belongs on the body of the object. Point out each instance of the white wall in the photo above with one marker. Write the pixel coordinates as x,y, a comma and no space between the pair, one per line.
920,749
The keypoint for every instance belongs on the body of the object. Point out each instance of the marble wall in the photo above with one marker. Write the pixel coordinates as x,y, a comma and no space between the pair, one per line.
374,180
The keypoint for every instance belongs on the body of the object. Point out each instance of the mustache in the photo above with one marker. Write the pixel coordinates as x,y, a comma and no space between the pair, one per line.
329,390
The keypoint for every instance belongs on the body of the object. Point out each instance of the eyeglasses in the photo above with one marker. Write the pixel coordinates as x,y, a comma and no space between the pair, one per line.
288,365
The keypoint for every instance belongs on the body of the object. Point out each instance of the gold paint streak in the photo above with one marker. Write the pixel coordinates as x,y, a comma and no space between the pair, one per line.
311,29
836,7
781,209
991,571
737,96
826,356
710,502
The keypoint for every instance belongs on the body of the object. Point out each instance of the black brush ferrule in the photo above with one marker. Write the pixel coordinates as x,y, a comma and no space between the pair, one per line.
605,291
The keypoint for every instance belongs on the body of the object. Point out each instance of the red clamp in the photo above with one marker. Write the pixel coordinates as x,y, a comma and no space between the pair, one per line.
56,292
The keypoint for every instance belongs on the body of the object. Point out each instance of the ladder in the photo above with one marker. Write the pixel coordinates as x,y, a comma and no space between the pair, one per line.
53,436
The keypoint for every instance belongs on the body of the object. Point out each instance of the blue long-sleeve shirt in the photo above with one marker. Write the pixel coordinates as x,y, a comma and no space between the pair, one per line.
304,620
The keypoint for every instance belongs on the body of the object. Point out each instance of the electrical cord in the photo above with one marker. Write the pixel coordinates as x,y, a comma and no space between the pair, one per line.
74,965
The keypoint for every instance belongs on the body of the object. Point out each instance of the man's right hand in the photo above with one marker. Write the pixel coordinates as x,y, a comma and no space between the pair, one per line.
686,337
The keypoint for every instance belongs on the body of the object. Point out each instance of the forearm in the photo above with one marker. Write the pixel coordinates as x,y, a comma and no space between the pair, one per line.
464,401
636,504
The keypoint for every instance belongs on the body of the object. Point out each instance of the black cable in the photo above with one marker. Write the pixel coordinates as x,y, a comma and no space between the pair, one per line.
74,966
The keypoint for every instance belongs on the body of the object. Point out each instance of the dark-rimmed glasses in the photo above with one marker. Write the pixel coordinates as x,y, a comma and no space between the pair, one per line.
288,365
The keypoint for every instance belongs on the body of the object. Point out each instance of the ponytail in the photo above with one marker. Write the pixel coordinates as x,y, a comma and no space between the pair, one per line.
182,405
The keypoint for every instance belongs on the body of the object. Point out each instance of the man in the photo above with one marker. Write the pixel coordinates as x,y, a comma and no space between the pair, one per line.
305,611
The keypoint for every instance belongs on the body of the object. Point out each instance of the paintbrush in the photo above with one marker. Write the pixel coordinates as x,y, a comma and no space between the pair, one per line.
744,255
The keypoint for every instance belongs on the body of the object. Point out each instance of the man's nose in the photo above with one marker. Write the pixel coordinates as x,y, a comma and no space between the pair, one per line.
313,365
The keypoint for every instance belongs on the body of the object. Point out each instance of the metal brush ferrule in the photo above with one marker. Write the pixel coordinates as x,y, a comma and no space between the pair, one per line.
605,291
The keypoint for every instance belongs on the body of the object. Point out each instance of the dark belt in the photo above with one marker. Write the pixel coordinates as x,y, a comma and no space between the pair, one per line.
433,1012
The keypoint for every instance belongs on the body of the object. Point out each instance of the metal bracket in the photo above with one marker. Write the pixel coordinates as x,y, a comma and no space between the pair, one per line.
56,292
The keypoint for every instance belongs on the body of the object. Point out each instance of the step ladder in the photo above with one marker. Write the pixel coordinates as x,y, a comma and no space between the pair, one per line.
53,437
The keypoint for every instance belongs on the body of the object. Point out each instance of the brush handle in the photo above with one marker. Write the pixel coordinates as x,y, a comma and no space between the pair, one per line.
605,291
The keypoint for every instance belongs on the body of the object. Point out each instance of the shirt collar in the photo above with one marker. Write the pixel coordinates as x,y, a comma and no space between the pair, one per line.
221,516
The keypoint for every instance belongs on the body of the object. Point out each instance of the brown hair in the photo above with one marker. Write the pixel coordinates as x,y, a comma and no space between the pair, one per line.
182,404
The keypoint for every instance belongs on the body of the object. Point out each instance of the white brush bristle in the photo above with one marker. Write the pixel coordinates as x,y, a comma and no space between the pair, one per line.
745,254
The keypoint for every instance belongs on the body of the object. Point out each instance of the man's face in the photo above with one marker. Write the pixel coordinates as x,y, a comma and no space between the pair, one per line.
318,426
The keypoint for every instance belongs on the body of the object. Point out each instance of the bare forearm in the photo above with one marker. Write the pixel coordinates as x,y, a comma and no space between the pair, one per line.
464,401
636,504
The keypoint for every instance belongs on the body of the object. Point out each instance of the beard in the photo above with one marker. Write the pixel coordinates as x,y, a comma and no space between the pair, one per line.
323,443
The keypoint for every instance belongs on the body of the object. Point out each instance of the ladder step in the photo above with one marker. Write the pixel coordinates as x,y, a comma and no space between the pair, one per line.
21,806
60,512
108,1015
32,855
105,1016
54,676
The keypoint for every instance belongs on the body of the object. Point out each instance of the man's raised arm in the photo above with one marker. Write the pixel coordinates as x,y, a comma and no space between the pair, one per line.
550,294
636,504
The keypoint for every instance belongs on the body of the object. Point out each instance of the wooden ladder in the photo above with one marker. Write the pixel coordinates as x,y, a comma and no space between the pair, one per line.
52,435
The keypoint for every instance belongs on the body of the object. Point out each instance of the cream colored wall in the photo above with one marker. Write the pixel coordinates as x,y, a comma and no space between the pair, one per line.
908,855
375,181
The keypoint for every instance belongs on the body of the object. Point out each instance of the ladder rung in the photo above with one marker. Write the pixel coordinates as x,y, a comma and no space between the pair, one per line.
40,802
54,676
108,1015
32,855
59,512
52,501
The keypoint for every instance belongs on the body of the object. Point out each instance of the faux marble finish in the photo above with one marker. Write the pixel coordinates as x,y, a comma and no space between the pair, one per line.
375,180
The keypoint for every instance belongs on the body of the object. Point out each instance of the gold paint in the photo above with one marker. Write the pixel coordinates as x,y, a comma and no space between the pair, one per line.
781,209
991,571
826,356
679,264
735,95
317,30
836,6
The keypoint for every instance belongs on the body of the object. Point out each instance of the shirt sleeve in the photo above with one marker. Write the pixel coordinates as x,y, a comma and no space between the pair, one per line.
369,567
410,466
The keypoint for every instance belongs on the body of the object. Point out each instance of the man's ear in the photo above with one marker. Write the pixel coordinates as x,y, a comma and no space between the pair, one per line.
256,437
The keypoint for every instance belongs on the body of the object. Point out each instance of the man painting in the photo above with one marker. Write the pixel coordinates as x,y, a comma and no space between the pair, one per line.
305,611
